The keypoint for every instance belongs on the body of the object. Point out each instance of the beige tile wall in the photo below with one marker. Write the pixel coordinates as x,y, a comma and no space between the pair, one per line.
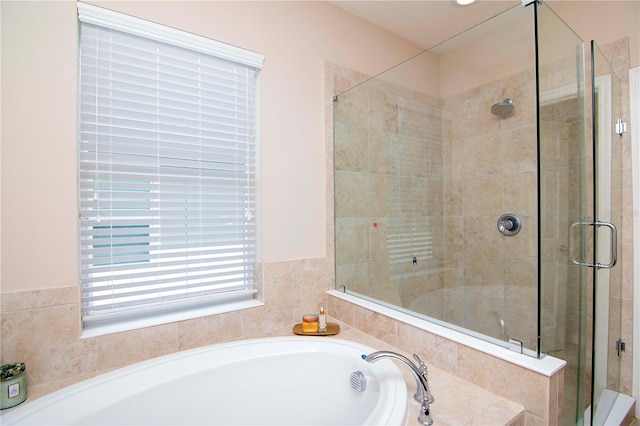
42,328
490,169
388,182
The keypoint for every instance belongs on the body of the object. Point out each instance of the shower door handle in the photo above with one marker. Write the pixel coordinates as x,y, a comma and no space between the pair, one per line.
613,259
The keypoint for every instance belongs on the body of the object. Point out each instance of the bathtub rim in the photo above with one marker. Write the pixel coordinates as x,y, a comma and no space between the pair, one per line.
390,414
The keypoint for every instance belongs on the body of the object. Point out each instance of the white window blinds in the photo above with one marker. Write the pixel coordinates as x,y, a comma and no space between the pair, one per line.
167,162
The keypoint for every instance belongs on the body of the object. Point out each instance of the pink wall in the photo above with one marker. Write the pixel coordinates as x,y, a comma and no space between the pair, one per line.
603,21
39,201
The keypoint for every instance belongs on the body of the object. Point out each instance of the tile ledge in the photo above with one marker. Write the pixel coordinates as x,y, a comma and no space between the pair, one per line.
547,366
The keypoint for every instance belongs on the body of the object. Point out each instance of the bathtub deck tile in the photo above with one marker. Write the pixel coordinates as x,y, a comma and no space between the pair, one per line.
457,401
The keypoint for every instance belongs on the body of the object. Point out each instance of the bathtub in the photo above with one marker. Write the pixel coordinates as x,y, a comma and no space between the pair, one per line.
274,381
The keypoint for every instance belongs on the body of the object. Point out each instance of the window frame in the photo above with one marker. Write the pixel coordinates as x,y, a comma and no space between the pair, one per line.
104,18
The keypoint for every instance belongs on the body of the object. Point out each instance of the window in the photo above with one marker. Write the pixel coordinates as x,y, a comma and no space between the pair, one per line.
167,163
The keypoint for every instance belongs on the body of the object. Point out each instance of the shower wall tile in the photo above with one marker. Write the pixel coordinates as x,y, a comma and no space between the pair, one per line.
484,275
435,230
455,302
351,153
352,108
521,88
436,283
454,271
355,277
381,152
519,193
484,313
453,158
520,319
383,110
433,197
452,110
476,111
410,157
519,153
413,285
524,244
481,236
490,169
385,198
353,194
339,80
557,74
521,295
482,196
413,197
452,197
481,155
434,160
520,288
399,188
378,240
412,119
454,240
352,241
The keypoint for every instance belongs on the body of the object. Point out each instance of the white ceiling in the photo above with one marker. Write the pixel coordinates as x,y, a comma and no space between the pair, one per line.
425,22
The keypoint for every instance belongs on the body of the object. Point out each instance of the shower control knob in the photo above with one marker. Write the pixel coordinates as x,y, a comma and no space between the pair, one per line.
509,224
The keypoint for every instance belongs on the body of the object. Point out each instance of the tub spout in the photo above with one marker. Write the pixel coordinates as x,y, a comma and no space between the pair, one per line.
422,395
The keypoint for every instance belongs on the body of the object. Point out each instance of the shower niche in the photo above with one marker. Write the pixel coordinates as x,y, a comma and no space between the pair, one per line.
434,160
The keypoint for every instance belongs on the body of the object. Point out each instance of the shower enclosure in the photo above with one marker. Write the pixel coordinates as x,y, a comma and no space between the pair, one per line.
465,192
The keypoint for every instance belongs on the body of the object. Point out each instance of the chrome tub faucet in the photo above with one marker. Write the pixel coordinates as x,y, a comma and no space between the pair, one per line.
422,395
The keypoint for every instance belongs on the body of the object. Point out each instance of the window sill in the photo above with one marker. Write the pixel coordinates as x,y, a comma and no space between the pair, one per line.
95,330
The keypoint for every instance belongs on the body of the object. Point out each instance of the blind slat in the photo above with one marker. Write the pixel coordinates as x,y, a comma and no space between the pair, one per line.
120,311
177,278
166,168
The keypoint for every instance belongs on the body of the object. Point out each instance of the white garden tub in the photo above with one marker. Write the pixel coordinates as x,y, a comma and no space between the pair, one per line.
283,381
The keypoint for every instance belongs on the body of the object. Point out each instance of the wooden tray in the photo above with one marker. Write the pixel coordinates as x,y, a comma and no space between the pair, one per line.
332,328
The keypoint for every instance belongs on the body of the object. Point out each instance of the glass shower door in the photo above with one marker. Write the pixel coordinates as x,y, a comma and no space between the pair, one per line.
607,289
565,203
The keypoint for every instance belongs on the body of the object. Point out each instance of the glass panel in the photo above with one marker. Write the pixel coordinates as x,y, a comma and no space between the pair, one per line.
606,99
428,156
565,170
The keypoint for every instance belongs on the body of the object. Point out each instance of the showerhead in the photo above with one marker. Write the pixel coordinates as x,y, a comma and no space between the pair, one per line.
503,109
